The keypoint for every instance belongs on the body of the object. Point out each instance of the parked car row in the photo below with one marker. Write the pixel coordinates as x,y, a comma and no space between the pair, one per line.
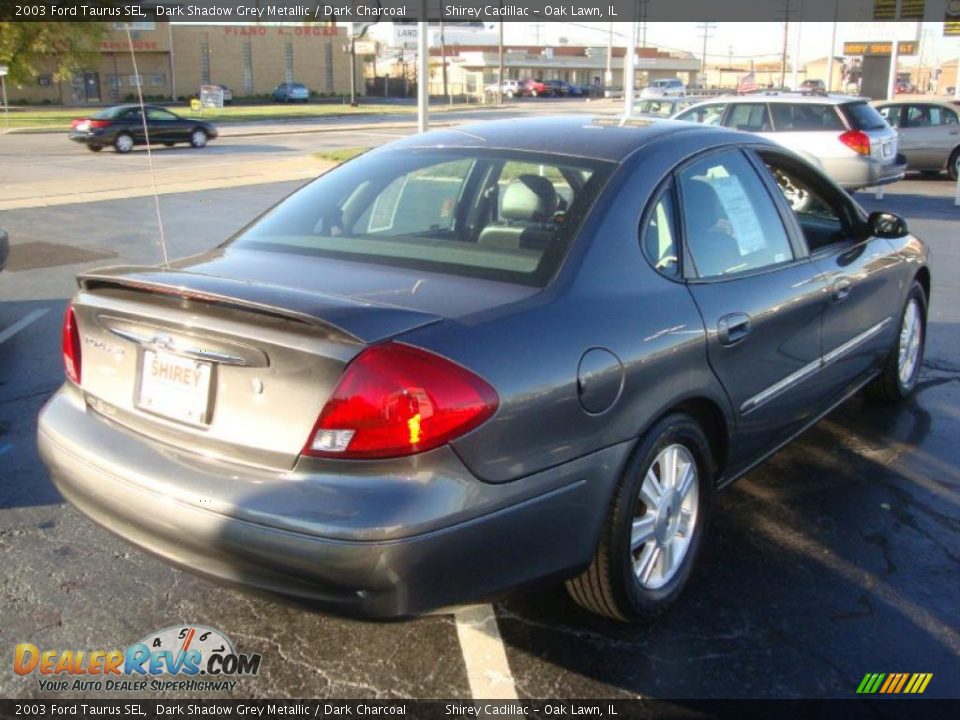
843,136
536,88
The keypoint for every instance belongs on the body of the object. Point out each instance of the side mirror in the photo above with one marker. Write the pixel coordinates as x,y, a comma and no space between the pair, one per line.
887,225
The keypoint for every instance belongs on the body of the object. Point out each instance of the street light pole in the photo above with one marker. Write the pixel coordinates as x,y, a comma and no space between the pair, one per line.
423,69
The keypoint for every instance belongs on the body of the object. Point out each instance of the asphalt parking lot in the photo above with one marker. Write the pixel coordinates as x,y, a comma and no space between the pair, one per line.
837,557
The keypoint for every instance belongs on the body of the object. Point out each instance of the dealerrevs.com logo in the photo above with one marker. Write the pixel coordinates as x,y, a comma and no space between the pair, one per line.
178,658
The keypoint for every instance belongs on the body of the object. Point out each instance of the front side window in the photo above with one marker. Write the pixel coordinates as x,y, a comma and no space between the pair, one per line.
161,115
497,214
710,114
731,223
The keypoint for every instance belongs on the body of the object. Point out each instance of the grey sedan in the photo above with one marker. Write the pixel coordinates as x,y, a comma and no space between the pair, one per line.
929,133
483,357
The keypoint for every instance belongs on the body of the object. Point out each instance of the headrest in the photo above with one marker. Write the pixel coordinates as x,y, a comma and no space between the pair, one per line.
703,205
529,197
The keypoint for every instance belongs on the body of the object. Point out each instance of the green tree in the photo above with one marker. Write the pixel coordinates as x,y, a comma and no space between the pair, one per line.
58,48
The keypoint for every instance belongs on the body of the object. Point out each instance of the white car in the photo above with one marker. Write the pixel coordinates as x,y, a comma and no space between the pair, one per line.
510,88
664,88
843,136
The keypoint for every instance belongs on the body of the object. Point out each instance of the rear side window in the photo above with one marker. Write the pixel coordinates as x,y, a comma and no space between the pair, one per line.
929,116
706,114
863,116
751,117
660,237
730,221
805,117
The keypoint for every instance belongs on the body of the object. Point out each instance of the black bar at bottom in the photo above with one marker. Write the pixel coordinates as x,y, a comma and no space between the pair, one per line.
137,709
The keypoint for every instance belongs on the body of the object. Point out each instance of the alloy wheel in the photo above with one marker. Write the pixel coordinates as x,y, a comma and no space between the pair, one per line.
665,517
198,138
124,143
911,337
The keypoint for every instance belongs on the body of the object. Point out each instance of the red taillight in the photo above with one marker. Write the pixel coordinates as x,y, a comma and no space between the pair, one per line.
99,124
856,140
396,400
74,123
71,345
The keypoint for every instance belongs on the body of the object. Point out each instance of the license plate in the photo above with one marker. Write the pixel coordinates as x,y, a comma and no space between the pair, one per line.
175,387
887,150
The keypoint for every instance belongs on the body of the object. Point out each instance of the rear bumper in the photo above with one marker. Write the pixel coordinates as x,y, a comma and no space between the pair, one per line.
866,172
452,547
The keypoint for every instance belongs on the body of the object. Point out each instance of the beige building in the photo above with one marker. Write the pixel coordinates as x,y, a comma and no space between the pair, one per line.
174,60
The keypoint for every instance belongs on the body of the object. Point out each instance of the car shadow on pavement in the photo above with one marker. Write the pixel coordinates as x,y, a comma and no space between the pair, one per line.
834,556
31,370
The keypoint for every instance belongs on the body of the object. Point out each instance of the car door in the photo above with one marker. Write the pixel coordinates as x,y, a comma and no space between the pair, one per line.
760,297
132,122
857,270
164,126
927,135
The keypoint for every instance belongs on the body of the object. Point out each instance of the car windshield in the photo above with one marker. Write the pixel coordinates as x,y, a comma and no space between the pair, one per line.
864,116
502,215
297,86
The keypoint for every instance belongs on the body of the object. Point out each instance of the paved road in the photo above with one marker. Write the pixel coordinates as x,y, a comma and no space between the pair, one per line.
837,557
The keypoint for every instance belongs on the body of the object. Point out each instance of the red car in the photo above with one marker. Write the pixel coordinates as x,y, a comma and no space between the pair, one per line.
535,88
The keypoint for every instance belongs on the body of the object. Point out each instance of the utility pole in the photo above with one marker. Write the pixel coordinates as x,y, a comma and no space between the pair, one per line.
783,58
629,71
608,76
894,58
833,45
705,27
500,69
795,77
443,59
423,71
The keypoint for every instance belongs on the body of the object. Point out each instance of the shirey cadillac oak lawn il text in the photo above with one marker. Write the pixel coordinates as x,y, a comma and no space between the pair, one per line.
478,358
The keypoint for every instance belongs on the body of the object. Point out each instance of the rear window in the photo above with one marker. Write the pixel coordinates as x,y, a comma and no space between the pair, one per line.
863,116
108,113
501,215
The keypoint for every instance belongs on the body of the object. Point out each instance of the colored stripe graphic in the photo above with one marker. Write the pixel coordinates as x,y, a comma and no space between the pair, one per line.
894,683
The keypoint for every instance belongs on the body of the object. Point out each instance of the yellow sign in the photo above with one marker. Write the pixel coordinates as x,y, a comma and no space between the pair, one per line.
878,48
195,104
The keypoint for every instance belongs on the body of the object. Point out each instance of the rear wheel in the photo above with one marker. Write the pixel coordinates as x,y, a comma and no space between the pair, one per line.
169,144
901,371
953,164
123,143
198,138
655,526
95,148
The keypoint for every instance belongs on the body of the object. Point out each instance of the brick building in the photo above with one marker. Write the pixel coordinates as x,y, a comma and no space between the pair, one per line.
174,60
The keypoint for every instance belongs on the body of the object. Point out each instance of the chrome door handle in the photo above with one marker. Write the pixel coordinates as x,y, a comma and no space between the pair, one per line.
841,289
733,328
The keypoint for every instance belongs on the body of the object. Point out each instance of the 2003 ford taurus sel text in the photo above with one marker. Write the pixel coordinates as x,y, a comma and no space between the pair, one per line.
481,357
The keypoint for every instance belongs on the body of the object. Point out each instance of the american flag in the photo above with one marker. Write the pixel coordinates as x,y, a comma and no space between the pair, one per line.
748,83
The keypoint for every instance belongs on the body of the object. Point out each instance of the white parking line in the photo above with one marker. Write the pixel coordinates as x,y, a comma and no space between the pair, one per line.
21,324
483,654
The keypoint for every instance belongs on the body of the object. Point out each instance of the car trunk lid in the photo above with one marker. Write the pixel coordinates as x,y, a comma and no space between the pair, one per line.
221,366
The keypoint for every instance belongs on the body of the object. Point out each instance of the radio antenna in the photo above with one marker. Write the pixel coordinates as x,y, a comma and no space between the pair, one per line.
146,135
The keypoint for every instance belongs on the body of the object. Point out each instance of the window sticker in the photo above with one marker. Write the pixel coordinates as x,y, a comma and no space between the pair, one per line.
736,204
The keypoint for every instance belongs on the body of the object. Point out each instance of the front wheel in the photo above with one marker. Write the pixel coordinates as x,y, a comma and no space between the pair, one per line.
898,381
655,526
198,138
94,147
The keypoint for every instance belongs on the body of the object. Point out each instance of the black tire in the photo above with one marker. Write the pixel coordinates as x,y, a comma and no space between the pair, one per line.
889,386
953,164
123,143
610,586
94,148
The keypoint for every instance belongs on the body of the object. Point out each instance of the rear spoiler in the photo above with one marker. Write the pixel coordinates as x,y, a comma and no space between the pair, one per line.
359,320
